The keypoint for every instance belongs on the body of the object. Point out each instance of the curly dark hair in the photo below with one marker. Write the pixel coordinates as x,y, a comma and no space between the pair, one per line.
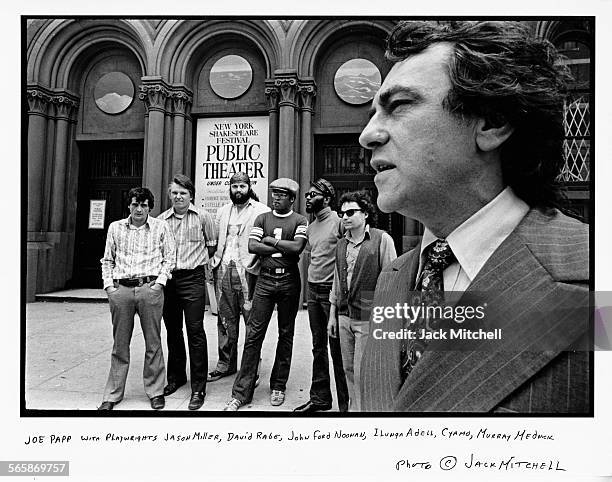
502,73
141,194
362,198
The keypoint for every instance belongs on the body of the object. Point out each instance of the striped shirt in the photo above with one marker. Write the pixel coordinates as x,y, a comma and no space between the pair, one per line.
193,233
288,226
132,252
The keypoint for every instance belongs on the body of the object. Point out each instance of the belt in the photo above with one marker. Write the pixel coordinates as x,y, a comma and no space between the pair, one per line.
277,270
131,282
180,272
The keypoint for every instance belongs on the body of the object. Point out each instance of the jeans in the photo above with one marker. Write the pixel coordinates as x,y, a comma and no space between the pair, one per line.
318,315
283,291
233,300
124,304
185,294
353,337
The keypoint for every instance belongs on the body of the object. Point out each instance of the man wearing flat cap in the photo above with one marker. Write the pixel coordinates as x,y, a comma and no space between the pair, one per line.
323,235
278,238
235,269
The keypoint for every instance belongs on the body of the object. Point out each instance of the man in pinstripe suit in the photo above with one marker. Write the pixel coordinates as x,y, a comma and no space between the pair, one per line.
466,137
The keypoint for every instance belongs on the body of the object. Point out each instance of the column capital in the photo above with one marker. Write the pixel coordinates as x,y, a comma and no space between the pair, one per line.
287,85
307,91
154,92
66,105
272,95
39,99
182,100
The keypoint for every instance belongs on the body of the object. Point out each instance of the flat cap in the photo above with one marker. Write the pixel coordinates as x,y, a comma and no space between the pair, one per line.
285,184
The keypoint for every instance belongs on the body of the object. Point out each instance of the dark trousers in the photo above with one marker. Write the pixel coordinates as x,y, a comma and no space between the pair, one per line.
318,315
282,290
184,293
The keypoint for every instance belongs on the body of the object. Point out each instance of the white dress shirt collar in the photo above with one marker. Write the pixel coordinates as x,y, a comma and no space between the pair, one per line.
476,239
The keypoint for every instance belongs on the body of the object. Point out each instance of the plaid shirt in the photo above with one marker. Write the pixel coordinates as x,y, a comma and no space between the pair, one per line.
132,252
193,233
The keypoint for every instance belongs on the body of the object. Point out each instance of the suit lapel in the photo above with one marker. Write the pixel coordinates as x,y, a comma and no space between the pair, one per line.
477,376
380,368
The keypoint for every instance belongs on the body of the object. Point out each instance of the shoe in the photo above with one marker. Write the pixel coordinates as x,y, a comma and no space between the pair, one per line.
277,397
157,403
196,401
216,375
310,407
107,405
233,405
172,387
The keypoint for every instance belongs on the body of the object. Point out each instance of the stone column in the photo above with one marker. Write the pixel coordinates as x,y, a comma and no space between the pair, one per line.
307,91
66,106
38,106
272,95
154,93
181,103
287,84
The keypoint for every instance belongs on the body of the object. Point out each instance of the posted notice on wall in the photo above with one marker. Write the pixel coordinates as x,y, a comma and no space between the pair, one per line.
225,146
97,209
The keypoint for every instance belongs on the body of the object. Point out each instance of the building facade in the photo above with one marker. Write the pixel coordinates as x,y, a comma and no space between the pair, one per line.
88,143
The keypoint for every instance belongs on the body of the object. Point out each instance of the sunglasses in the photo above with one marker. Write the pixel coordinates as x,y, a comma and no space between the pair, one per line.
349,212
279,195
308,195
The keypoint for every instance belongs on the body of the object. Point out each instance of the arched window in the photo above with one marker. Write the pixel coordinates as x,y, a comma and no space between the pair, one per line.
577,111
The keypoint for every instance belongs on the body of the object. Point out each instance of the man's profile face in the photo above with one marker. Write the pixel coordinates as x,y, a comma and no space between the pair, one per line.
139,210
420,151
180,197
314,200
239,192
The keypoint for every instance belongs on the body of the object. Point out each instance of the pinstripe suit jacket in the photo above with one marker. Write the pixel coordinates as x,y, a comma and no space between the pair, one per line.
544,262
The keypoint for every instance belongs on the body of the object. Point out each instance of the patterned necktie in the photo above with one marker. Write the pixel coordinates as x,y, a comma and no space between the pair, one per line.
438,257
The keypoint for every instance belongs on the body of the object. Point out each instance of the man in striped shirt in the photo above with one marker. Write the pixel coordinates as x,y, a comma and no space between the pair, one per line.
196,240
278,238
138,258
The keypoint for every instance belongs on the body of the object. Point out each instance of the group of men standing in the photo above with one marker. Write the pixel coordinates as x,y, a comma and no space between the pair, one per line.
253,253
466,136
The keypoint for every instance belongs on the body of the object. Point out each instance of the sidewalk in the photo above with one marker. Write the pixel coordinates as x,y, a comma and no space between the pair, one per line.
68,346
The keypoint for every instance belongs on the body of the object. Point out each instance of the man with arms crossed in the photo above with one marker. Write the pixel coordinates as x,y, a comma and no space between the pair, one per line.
278,237
236,269
196,238
323,234
138,258
466,137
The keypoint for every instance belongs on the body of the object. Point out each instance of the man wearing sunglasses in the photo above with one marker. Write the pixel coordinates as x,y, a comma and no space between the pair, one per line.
323,235
360,257
278,238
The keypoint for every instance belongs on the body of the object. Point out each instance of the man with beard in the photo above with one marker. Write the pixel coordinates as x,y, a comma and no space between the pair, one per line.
323,234
278,238
194,232
235,268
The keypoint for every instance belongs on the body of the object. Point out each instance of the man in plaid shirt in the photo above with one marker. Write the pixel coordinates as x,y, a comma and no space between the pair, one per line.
138,258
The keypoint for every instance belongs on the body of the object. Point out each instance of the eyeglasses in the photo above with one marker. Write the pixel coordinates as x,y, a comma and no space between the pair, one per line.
308,195
279,195
349,212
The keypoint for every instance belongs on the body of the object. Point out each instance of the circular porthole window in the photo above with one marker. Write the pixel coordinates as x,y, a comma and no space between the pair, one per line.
231,76
114,92
357,81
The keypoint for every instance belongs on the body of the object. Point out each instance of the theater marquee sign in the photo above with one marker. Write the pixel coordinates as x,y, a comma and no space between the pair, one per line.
224,146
